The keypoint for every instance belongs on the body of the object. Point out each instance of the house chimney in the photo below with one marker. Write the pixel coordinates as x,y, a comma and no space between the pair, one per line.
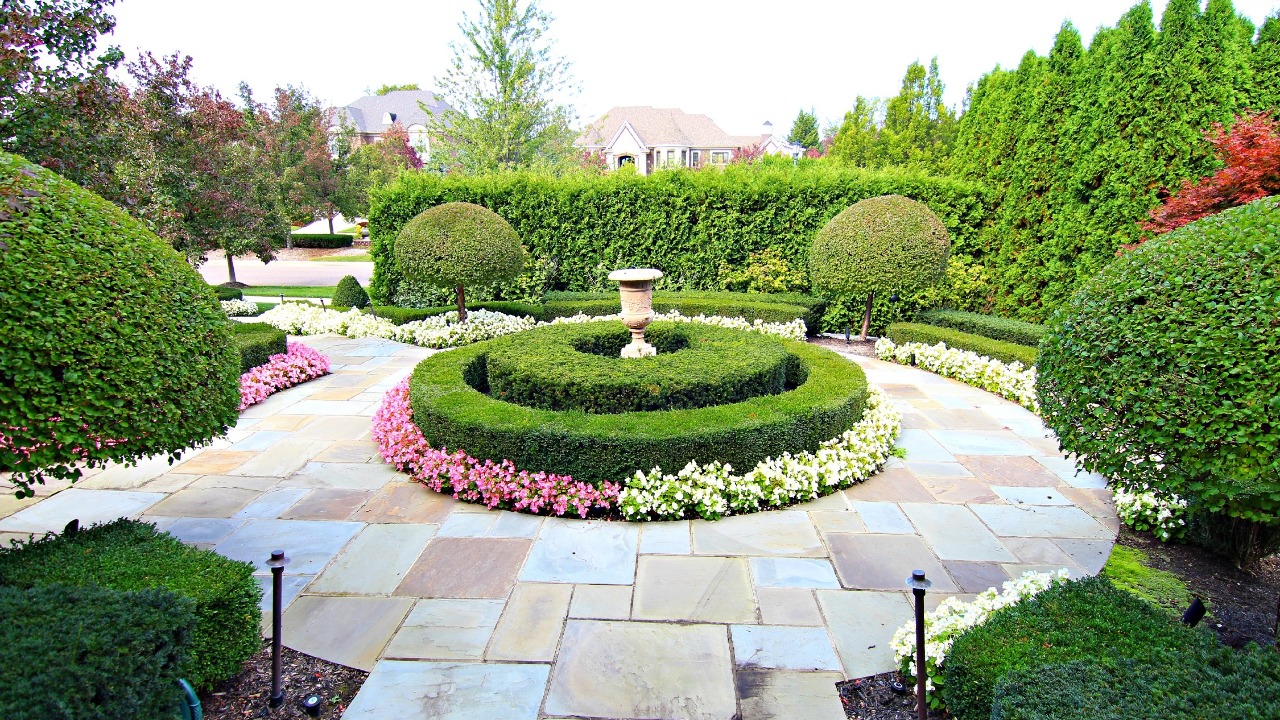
767,129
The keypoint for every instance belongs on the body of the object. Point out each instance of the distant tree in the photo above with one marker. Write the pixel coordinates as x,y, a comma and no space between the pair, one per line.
371,166
393,88
804,131
913,129
855,141
748,154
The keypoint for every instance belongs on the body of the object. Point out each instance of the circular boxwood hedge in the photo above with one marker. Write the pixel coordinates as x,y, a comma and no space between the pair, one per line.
1162,370
879,245
114,348
578,367
596,448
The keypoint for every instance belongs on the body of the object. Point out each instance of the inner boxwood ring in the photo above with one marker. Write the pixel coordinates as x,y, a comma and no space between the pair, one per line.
577,367
454,415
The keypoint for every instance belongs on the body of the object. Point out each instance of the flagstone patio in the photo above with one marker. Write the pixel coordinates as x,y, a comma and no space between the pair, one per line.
462,612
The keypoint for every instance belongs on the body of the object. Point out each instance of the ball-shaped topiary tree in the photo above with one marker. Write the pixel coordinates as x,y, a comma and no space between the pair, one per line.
458,244
114,348
348,293
888,244
1164,371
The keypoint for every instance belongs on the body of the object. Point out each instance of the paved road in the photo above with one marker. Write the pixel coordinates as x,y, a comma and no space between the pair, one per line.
251,271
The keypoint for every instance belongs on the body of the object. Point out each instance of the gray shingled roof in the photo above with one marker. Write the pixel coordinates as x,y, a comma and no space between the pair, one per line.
660,126
367,113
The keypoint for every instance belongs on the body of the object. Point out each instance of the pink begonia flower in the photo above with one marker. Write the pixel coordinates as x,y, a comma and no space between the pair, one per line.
280,371
495,485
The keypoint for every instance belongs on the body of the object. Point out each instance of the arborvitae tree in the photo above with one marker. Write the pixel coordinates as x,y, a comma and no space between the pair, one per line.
918,130
1266,66
804,131
855,140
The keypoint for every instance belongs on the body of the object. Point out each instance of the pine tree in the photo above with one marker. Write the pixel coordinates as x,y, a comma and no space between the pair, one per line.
804,131
1266,66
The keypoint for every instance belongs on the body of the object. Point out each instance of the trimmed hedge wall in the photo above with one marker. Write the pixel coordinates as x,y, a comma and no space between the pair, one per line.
90,652
128,555
578,367
257,342
226,293
595,448
685,223
931,335
989,326
322,240
751,306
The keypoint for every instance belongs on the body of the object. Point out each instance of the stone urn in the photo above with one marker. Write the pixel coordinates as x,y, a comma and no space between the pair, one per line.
636,286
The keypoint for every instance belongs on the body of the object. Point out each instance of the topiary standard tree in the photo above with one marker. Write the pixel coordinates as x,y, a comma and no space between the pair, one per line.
1161,372
888,244
114,348
458,244
348,293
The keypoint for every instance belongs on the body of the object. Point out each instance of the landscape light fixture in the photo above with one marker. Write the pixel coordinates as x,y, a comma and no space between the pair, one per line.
276,563
311,705
1195,613
919,585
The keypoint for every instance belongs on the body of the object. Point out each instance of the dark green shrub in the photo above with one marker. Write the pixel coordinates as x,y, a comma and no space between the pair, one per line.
108,335
348,293
1162,371
227,293
90,653
889,244
257,342
596,448
931,335
996,328
128,555
1078,620
1198,682
322,240
458,244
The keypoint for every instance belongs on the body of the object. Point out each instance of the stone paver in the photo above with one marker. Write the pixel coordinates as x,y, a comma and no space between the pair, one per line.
308,545
776,533
877,561
601,602
205,502
367,623
782,648
709,589
530,627
861,624
788,606
784,695
376,561
569,551
954,533
1045,521
465,568
405,502
88,506
446,629
793,572
446,691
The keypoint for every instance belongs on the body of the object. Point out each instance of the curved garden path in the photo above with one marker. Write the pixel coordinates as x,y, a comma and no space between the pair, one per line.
461,612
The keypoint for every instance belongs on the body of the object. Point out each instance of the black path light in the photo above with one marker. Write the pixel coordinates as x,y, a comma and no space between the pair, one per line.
919,585
276,563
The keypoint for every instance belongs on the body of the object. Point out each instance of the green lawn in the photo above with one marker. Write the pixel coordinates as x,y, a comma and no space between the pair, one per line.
295,291
362,257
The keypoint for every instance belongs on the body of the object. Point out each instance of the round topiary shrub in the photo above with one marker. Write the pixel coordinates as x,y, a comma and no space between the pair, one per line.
888,244
458,244
114,348
348,293
1162,371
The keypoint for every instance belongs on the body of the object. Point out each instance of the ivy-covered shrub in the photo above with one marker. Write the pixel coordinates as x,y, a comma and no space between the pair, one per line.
257,342
1007,352
322,240
114,348
227,293
996,328
458,244
349,293
84,653
128,555
1161,372
1078,620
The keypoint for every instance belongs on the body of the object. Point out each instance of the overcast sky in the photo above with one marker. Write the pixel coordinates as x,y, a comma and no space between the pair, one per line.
741,63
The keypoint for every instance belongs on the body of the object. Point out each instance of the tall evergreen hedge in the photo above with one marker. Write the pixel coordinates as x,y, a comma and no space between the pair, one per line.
685,223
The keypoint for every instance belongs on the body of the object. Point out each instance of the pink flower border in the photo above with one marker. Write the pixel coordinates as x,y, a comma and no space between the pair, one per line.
281,371
495,485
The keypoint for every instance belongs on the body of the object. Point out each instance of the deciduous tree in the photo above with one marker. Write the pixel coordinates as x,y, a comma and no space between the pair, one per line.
804,131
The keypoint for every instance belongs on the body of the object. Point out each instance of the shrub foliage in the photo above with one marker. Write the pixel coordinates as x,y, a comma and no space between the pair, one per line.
1005,352
322,240
990,326
257,342
349,293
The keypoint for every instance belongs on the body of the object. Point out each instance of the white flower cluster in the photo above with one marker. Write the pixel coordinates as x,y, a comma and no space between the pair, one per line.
1144,509
240,308
1009,380
442,331
793,330
954,616
713,491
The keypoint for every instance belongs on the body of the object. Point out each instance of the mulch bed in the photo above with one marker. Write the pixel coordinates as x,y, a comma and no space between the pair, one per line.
866,348
246,694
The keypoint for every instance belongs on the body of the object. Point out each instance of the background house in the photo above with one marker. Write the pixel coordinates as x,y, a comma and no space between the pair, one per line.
371,115
653,138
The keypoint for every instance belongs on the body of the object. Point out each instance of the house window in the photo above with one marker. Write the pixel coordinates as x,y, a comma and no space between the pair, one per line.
684,158
697,158
671,157
719,157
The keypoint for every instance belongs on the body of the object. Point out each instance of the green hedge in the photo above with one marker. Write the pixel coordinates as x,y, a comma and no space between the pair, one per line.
127,555
257,342
226,293
578,367
931,335
321,240
1078,620
90,653
989,326
349,293
400,316
685,223
596,448
751,306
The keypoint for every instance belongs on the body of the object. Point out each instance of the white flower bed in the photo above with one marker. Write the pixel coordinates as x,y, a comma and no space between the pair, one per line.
240,308
794,330
1008,380
713,491
1162,514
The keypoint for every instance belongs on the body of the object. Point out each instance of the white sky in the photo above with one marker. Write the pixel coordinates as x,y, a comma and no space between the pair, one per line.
741,62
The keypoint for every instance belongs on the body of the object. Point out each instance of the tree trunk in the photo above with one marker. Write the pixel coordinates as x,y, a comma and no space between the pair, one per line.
288,239
330,224
462,305
866,318
231,269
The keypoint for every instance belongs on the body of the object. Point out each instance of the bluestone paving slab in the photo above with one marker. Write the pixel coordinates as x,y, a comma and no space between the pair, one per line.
205,502
665,538
883,518
890,485
240,482
1042,521
450,691
337,393
923,469
601,602
828,521
575,551
280,422
1096,501
286,457
788,606
170,483
353,451
793,572
955,533
1031,495
325,408
779,647
309,545
468,524
338,427
408,502
348,476
975,577
862,623
786,532
466,568
981,442
117,476
1037,551
446,629
327,504
88,506
884,562
1089,480
258,441
650,670
959,490
213,462
202,531
531,623
367,623
376,561
921,445
1008,470
516,525
270,504
787,695
10,504
291,586
694,589
1089,554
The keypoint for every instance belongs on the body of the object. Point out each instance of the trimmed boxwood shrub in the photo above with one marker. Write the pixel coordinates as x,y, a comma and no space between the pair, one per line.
322,240
996,328
227,293
931,335
348,293
578,367
1078,620
1161,371
751,306
257,343
114,347
91,653
596,448
128,555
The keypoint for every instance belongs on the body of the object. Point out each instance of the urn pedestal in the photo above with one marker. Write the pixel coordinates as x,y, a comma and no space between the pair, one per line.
636,288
